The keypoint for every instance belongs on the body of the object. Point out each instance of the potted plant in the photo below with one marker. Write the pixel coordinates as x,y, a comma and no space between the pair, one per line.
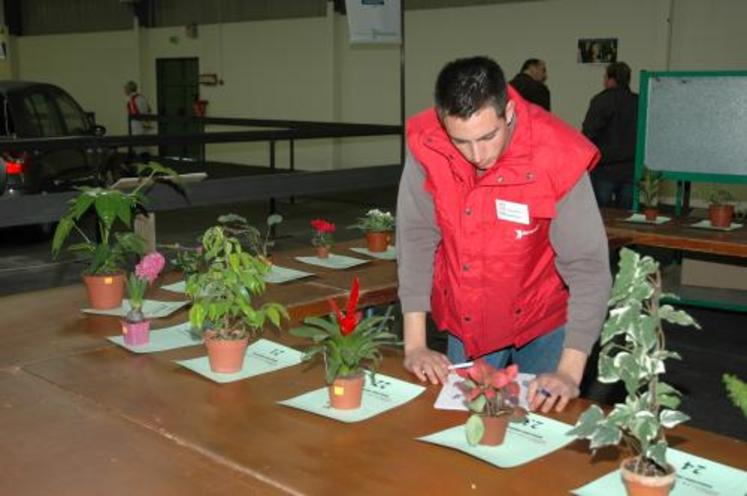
721,209
251,237
135,327
107,250
322,238
633,351
349,345
378,227
737,391
222,300
649,187
492,395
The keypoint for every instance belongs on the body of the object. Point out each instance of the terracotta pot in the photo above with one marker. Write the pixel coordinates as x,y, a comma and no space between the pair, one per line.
651,213
136,333
495,429
377,241
322,251
226,356
105,291
345,393
721,215
641,485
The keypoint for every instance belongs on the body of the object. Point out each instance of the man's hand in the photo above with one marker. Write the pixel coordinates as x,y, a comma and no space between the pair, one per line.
427,365
548,390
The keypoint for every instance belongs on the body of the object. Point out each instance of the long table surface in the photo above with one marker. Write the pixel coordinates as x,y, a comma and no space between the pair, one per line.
86,416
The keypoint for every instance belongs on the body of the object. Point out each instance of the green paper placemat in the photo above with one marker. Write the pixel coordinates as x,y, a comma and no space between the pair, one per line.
641,219
696,476
168,338
333,261
389,254
152,309
262,356
278,275
385,394
706,224
536,437
176,287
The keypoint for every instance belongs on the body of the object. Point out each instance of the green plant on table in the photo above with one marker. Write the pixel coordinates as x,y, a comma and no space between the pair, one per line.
252,238
634,351
719,197
223,294
649,186
375,220
348,343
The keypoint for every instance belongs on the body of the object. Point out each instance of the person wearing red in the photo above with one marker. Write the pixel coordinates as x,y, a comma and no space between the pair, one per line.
499,236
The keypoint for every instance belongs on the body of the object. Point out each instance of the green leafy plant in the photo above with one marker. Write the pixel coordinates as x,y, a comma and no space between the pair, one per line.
649,186
721,197
347,343
633,351
375,221
108,253
251,237
737,391
222,294
489,392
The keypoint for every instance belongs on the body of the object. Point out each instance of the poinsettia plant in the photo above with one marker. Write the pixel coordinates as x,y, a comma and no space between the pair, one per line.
348,343
322,232
489,392
146,272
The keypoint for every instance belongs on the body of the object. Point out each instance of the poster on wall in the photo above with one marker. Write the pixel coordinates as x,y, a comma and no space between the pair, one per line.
597,50
374,21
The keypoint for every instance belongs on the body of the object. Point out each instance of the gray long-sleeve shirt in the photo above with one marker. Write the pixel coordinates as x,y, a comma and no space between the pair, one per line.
576,233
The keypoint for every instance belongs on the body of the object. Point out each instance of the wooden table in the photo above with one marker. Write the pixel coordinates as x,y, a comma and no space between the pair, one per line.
82,416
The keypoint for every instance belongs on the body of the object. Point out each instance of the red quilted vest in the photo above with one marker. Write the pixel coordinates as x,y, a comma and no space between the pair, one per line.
495,283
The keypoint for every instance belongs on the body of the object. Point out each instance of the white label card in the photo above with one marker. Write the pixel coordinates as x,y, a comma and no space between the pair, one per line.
512,212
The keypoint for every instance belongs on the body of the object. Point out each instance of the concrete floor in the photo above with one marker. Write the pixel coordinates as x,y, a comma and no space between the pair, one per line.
26,265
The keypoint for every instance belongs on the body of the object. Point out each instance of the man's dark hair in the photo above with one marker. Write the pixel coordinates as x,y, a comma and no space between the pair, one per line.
620,72
465,86
529,63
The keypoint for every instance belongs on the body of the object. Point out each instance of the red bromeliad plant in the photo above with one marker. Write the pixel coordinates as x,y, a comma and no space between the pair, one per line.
348,343
322,232
489,392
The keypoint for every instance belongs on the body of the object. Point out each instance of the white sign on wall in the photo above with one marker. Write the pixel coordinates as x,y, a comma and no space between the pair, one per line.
374,21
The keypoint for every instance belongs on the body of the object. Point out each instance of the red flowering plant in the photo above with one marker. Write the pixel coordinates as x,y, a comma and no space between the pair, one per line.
145,274
347,342
489,392
322,232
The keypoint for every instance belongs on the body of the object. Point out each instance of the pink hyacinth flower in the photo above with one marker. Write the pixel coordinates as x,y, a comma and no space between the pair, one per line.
150,266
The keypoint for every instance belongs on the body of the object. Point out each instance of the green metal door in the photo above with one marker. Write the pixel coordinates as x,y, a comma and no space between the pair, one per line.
177,80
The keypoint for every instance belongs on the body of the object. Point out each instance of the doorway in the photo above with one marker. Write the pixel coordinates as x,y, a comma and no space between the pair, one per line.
177,81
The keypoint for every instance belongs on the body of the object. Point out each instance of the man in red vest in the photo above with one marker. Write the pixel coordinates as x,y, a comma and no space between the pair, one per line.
137,104
499,235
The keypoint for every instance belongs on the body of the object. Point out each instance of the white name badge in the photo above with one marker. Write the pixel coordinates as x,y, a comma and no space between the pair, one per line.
512,212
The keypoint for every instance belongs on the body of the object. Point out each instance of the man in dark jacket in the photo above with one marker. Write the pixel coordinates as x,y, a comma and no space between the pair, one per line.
530,83
611,124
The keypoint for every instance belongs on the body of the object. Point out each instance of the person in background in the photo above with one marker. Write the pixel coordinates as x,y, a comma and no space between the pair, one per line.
610,123
137,104
499,236
530,83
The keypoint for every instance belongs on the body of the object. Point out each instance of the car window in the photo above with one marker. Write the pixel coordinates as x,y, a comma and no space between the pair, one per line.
42,116
73,117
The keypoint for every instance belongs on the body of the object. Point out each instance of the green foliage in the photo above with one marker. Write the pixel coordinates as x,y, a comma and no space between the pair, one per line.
737,391
720,197
222,294
111,208
633,351
345,355
250,237
649,187
375,220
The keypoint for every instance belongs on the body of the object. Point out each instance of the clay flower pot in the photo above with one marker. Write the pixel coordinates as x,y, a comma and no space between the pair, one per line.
721,215
495,429
377,241
226,356
642,485
345,393
322,251
136,333
105,291
651,213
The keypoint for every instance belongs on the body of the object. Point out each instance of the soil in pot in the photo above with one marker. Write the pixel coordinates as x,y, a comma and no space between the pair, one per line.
658,483
495,429
105,291
226,356
346,393
377,241
721,215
